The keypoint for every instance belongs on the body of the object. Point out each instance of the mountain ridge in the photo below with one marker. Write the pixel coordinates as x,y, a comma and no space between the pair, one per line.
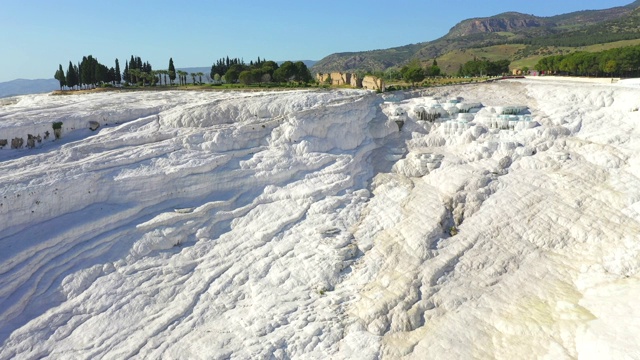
613,24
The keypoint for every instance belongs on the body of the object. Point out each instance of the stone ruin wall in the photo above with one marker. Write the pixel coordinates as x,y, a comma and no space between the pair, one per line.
372,83
356,82
338,78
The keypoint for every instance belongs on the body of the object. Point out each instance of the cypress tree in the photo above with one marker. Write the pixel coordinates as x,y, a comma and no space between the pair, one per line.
101,73
60,76
72,77
127,78
84,71
76,70
90,70
118,78
111,75
172,71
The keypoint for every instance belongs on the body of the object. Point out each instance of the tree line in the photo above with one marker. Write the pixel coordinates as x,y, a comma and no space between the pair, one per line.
91,73
260,71
575,39
135,71
624,62
477,67
88,72
414,72
624,28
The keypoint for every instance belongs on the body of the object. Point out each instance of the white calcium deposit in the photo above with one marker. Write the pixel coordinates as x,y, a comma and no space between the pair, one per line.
323,224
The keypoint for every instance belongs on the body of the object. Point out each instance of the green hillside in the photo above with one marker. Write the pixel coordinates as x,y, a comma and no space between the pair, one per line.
522,39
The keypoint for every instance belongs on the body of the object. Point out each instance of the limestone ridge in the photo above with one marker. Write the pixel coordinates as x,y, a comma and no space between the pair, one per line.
517,22
507,22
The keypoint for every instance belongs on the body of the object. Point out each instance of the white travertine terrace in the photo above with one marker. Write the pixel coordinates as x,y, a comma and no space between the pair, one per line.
310,224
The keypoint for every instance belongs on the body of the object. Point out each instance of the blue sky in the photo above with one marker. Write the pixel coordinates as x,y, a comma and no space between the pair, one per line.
37,35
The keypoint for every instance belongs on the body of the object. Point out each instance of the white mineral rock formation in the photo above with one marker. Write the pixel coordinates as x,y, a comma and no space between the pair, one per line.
309,224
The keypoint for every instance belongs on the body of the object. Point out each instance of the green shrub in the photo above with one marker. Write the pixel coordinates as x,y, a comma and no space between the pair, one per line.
57,129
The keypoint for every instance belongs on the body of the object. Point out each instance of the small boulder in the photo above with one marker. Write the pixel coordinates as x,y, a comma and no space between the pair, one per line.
505,162
16,143
93,125
31,141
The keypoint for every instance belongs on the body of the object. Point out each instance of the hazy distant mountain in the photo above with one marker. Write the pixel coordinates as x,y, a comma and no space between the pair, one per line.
24,86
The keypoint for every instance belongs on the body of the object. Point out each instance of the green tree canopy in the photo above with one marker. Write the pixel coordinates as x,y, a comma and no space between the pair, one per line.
245,77
231,76
286,72
484,68
59,75
302,73
269,67
412,72
623,61
610,66
433,70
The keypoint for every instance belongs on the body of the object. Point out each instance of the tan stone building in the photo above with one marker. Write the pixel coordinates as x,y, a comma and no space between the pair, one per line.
321,78
356,82
372,83
339,78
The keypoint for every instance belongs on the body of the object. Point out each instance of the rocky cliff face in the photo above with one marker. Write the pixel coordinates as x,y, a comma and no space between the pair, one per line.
511,22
